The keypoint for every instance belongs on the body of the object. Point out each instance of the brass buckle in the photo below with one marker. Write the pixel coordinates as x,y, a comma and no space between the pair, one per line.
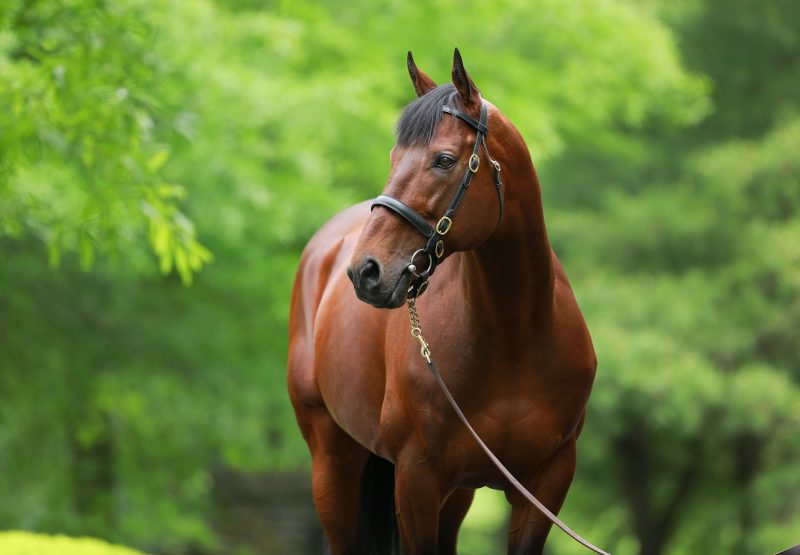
423,287
474,163
439,248
443,225
420,290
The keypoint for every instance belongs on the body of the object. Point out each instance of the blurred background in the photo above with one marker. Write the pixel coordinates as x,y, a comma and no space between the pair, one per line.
163,162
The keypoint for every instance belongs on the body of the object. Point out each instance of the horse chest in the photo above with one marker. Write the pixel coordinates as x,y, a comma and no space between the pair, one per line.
515,417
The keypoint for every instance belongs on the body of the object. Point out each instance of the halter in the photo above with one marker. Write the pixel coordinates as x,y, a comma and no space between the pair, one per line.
434,247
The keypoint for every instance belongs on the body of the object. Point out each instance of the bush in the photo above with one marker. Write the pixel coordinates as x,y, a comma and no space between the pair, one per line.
26,543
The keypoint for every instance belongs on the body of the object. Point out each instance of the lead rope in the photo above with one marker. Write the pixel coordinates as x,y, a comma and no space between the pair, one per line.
416,332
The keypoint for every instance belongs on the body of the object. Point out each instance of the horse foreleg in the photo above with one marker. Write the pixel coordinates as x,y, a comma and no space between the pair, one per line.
529,527
337,465
451,517
418,497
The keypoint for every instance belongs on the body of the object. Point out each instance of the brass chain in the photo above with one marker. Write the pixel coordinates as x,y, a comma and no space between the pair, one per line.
416,330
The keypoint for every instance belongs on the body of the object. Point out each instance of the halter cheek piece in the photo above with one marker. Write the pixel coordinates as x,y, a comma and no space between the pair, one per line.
434,247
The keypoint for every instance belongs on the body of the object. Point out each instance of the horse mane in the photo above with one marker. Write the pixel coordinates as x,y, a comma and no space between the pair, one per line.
419,120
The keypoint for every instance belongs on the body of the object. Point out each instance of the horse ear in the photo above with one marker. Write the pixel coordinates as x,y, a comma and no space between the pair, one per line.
422,83
468,93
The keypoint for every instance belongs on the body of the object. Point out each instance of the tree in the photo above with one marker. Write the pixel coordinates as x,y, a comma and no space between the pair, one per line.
88,117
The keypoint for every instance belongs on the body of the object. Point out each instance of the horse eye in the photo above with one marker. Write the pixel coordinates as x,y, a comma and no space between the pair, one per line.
445,161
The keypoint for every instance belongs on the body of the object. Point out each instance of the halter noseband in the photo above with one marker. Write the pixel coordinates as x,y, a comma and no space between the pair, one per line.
434,247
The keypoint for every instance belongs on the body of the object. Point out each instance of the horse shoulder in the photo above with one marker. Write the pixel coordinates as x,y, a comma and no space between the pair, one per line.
324,253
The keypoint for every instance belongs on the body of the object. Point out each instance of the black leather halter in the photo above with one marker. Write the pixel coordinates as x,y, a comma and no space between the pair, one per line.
434,247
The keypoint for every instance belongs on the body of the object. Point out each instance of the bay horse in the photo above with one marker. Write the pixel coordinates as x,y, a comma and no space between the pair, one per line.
386,449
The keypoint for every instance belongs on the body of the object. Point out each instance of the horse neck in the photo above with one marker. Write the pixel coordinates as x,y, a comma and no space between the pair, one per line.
510,278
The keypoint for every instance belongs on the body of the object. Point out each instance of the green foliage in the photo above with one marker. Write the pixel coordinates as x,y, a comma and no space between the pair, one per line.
89,112
25,543
759,89
484,527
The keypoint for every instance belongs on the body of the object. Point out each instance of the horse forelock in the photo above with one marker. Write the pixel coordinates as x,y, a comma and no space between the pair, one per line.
418,123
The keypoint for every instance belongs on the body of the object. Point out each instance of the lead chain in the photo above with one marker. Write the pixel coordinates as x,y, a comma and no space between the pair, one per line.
416,330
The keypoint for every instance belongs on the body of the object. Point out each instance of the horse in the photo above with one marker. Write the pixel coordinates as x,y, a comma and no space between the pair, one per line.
391,466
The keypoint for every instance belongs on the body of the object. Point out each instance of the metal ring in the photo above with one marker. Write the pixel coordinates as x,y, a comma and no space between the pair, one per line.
439,248
496,165
412,265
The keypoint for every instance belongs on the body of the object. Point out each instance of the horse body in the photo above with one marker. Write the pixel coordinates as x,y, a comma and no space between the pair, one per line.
503,326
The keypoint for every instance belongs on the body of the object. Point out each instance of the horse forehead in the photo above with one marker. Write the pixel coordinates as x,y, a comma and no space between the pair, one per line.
408,160
449,137
451,133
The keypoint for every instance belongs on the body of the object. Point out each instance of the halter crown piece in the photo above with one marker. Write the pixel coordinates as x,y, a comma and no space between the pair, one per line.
434,247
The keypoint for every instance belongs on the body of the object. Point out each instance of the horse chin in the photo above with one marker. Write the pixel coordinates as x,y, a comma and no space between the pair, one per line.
397,297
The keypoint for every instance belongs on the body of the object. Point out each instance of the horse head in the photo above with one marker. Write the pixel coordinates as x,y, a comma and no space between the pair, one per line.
443,193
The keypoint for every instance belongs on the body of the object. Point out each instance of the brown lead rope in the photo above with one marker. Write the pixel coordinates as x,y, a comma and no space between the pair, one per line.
416,331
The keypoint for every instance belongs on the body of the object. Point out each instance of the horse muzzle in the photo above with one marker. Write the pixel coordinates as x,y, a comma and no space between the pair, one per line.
375,286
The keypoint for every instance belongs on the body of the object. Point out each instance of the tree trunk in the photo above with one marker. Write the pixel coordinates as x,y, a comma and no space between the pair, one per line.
747,447
652,524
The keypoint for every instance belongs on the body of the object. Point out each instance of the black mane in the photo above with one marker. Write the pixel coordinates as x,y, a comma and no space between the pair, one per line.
419,120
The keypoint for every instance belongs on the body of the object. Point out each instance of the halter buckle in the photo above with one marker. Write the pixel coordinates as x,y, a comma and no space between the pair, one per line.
474,163
443,225
414,290
439,248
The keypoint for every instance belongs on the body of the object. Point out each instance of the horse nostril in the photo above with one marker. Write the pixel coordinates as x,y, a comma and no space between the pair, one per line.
370,274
